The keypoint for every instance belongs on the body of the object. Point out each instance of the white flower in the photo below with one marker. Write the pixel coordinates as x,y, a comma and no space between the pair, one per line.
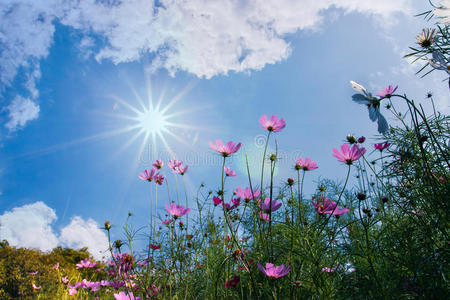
443,12
426,37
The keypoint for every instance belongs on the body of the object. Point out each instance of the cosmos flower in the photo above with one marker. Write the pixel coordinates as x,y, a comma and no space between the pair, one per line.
72,291
124,296
328,270
174,163
381,146
34,273
225,150
148,176
373,105
443,12
158,164
86,263
216,200
154,247
229,172
265,206
349,155
177,210
236,202
273,124
64,279
305,165
247,194
56,266
274,271
36,287
387,92
264,217
166,222
325,206
427,37
180,169
439,62
159,179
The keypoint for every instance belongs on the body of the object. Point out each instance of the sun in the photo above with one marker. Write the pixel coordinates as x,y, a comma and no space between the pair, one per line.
152,121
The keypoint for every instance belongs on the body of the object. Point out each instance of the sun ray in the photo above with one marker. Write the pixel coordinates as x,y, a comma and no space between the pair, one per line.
180,95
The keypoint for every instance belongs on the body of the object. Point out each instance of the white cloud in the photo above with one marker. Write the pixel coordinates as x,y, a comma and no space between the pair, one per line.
21,111
30,226
80,233
207,37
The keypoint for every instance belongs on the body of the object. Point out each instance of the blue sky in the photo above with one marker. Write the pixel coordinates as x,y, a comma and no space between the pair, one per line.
64,65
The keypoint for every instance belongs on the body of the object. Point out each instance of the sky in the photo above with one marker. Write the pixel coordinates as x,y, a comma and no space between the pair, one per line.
77,76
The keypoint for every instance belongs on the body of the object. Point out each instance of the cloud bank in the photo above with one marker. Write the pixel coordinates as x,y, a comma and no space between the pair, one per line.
30,226
202,37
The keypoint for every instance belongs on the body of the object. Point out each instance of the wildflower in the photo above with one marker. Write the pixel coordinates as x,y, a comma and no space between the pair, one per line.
86,263
247,194
124,296
227,149
387,92
305,165
56,266
443,12
107,225
274,271
154,247
36,287
273,124
64,279
158,164
229,172
362,139
439,62
217,200
177,210
290,181
351,139
264,217
267,206
233,282
381,146
159,179
180,169
147,175
325,206
236,202
373,105
328,270
349,155
361,196
427,37
72,292
34,273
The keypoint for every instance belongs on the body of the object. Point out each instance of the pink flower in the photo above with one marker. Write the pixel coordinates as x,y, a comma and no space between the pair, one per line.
264,217
265,206
229,172
56,266
236,202
274,271
173,164
387,92
148,176
348,155
273,124
180,169
216,200
177,210
247,194
158,164
72,292
64,280
325,206
34,273
36,287
381,146
154,247
124,296
166,222
306,165
86,263
159,179
225,150
328,270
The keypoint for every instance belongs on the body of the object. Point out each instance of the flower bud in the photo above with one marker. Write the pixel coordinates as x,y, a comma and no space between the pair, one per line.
273,157
107,225
361,196
290,181
351,139
362,139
